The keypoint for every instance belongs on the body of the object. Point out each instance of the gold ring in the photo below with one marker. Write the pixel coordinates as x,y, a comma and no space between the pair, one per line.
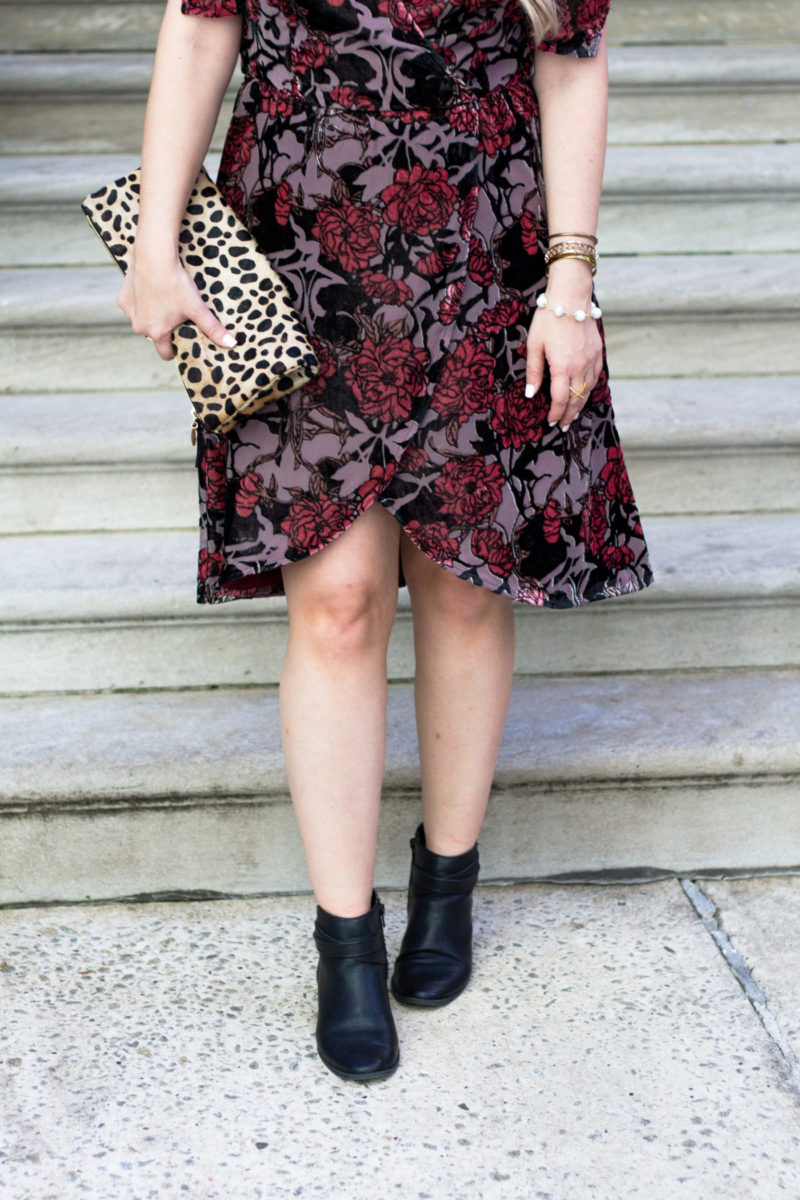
579,391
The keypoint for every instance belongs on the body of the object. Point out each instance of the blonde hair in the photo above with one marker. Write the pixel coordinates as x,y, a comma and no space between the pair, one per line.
543,16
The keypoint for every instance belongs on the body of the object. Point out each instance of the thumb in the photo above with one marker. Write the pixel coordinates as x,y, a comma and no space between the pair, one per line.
212,327
534,368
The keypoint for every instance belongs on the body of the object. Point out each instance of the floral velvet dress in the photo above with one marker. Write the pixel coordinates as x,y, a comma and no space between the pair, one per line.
386,156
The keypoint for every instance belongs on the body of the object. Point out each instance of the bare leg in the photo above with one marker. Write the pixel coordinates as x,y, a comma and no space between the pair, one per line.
342,602
464,645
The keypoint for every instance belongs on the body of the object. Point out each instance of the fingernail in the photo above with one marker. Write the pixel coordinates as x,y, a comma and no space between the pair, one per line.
565,427
551,423
530,390
229,340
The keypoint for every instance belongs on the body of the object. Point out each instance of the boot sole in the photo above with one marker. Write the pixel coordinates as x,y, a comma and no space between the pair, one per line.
358,1076
418,1002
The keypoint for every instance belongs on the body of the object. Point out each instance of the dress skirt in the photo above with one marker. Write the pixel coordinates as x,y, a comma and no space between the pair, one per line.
386,157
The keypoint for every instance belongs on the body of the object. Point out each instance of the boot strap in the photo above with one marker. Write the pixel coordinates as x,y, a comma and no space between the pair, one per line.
370,948
423,881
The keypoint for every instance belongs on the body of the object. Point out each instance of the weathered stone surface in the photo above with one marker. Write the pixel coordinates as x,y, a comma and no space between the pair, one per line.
661,772
762,919
602,1047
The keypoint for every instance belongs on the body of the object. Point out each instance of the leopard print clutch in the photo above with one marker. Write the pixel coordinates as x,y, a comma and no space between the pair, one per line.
236,281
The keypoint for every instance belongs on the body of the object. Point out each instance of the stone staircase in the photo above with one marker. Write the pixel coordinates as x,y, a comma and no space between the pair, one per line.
650,734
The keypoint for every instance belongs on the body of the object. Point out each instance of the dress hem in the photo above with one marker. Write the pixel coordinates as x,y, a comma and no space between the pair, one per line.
210,591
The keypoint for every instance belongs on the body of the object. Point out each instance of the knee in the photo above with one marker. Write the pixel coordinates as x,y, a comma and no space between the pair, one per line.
351,620
458,602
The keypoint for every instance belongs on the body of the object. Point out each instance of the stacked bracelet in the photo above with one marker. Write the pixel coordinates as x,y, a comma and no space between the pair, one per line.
572,245
559,311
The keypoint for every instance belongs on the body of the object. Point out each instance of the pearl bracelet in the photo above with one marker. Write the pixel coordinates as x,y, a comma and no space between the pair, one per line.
559,311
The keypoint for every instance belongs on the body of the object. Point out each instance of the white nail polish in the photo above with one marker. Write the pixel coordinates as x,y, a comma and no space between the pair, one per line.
530,391
229,340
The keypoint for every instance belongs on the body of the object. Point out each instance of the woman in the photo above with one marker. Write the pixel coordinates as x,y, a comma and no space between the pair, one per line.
459,439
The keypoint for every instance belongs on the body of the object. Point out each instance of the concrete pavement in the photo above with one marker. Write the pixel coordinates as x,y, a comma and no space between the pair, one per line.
615,1041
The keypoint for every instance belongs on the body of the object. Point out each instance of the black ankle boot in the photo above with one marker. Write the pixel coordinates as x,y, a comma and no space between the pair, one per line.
435,959
356,1035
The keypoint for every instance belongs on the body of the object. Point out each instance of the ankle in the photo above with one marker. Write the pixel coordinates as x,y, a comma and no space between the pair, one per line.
445,844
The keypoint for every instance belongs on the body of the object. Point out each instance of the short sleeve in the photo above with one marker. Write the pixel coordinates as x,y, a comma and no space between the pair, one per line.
211,8
582,24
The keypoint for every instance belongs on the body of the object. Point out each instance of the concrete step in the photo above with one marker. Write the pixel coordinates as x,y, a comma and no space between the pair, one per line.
692,446
117,612
94,102
700,199
105,796
670,199
123,25
677,315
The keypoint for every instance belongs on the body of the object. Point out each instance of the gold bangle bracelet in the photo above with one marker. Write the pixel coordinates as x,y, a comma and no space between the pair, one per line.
583,257
584,237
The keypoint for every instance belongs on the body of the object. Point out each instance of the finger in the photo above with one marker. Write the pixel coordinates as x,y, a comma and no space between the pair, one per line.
213,328
534,368
559,398
164,346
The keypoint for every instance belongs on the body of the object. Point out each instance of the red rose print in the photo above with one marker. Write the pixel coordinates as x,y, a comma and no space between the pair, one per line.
529,232
327,366
276,101
552,521
414,460
466,212
286,7
615,557
239,143
437,261
490,545
344,94
309,55
479,264
390,291
407,13
449,306
220,8
420,200
349,233
516,420
214,473
209,564
284,198
594,522
495,121
463,118
248,494
386,377
312,522
601,395
469,488
504,314
615,477
379,476
432,539
465,383
521,96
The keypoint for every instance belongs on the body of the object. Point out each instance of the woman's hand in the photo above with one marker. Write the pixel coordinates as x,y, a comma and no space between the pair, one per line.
573,350
157,296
